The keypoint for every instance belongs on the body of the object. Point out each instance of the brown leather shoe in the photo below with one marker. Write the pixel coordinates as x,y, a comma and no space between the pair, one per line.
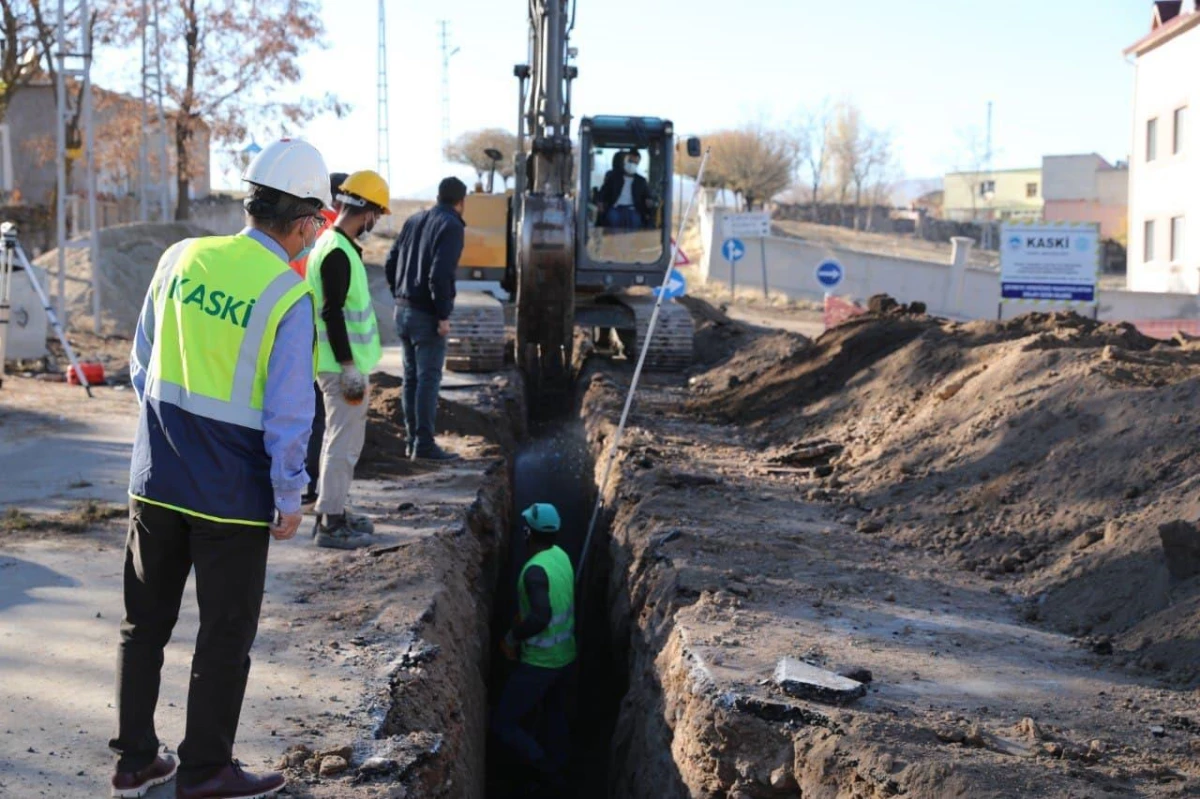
232,783
133,784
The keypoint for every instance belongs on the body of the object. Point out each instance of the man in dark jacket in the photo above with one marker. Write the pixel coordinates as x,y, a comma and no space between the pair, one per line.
420,269
625,195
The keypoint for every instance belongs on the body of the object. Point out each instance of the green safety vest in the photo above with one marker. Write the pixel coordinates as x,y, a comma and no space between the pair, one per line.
218,302
358,311
553,647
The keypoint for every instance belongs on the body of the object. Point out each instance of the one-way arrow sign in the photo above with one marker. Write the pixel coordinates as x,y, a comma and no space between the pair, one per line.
676,286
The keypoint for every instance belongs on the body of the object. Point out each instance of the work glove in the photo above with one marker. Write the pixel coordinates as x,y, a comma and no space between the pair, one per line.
353,384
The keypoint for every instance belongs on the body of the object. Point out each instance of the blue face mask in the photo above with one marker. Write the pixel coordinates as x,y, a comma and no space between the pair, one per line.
303,253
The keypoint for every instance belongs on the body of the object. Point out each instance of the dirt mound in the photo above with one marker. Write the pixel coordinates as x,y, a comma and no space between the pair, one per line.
717,336
385,449
1043,451
128,257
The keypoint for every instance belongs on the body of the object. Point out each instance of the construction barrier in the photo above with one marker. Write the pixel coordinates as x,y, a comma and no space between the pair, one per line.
838,310
1167,328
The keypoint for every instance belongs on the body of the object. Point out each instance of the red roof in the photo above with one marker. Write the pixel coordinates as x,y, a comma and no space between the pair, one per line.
1163,33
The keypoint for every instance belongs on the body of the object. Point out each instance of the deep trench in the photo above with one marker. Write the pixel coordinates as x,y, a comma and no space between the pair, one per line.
554,464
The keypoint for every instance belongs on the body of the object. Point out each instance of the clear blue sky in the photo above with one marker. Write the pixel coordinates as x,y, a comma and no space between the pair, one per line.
925,69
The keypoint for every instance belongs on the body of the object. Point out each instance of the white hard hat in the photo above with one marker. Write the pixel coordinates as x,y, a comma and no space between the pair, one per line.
293,167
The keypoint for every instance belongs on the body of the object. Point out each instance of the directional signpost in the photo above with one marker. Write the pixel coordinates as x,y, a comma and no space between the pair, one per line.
734,251
750,225
829,274
676,286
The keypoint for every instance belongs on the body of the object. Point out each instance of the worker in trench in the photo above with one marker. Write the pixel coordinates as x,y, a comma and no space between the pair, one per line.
348,348
543,642
312,463
222,366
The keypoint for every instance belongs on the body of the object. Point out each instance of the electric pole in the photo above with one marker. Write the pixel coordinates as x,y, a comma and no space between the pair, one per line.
80,70
383,149
153,145
446,54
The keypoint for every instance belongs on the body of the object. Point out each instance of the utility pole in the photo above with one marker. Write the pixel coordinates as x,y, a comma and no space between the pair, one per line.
987,236
80,72
383,149
446,54
152,102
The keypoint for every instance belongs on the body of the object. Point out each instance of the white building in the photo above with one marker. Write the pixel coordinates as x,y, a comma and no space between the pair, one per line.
1164,170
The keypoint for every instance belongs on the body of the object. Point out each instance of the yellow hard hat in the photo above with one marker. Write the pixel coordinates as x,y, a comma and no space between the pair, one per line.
369,186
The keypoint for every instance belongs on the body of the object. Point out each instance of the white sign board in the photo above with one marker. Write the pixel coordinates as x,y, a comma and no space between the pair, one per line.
1056,263
753,225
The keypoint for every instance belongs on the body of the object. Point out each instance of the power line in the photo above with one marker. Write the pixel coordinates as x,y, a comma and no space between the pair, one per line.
383,150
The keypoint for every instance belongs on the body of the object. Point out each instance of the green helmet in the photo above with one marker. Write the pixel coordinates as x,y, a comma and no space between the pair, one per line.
542,517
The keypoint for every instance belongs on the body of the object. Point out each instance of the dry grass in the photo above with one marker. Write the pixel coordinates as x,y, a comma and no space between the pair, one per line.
80,518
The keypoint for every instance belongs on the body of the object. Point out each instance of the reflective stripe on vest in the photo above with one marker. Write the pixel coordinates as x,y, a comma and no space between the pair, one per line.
359,312
199,447
554,646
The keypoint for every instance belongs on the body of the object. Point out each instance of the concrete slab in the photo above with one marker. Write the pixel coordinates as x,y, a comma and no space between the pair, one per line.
803,681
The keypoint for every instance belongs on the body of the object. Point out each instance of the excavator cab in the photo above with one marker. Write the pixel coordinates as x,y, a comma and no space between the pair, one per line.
624,217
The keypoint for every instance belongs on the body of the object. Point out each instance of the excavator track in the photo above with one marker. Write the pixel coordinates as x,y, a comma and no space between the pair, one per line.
476,341
671,349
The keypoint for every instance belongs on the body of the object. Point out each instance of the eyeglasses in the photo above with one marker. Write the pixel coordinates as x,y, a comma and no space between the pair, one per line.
313,221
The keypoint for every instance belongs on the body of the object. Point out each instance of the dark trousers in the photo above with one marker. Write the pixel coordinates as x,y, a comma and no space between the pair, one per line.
526,689
623,217
423,354
312,461
230,560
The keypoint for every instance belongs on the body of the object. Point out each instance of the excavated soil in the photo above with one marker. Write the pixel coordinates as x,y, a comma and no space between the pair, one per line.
1048,449
128,257
967,517
385,448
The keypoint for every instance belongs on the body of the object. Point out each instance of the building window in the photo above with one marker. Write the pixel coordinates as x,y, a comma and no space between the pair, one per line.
1177,138
1152,139
1177,239
987,187
1148,243
1031,190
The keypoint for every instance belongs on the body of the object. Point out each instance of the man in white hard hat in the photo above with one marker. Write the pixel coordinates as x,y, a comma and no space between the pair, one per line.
222,366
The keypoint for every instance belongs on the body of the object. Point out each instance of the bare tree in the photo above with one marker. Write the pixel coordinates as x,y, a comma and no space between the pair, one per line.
972,165
814,152
20,55
752,161
225,63
470,149
861,153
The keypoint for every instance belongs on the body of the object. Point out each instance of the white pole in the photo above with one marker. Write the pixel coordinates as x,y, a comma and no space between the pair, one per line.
85,35
61,160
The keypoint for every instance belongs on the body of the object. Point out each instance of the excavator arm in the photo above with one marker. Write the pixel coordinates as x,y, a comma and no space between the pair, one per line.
544,213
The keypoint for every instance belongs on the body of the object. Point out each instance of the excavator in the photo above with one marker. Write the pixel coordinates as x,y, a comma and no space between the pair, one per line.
558,259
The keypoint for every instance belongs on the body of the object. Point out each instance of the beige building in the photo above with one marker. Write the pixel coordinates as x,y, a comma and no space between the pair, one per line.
30,130
1087,188
998,195
1164,172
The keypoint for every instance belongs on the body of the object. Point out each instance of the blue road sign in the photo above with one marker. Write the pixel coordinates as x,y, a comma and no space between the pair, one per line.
676,286
830,273
733,250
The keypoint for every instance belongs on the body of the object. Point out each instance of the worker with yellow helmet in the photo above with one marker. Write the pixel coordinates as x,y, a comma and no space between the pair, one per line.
348,348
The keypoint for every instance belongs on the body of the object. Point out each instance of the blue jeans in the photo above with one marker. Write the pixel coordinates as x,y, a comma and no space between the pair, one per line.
623,217
528,687
423,354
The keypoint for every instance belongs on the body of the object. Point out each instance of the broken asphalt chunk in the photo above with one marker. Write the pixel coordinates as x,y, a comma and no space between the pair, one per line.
803,681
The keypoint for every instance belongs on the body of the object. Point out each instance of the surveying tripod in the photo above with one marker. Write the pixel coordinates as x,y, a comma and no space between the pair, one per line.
13,250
